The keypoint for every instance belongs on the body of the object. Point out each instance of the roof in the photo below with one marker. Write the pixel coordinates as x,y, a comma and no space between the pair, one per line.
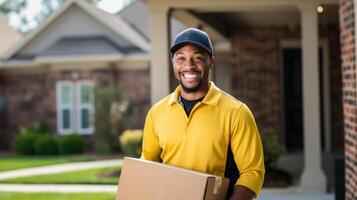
114,23
91,45
136,15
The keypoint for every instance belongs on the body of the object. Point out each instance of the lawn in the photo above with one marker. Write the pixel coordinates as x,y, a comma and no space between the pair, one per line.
56,196
91,176
18,162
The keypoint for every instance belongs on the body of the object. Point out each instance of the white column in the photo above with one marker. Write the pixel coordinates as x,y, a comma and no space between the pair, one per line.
160,66
313,178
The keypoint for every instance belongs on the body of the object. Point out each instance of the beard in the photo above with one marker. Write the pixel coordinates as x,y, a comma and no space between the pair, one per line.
193,89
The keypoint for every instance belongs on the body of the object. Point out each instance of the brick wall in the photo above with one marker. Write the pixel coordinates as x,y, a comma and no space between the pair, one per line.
349,95
31,97
258,80
3,135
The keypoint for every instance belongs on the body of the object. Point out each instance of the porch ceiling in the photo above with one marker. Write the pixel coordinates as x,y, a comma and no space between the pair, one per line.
261,16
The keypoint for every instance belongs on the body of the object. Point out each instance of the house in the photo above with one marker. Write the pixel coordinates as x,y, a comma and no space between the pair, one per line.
280,57
50,74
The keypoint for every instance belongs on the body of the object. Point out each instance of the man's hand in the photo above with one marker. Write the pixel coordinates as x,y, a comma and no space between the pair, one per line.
242,193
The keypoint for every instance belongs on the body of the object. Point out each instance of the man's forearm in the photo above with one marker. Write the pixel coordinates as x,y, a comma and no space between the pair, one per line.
242,193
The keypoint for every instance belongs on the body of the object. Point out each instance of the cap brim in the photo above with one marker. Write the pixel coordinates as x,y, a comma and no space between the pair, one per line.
174,48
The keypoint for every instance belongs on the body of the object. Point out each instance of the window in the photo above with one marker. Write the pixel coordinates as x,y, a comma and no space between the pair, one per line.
85,107
75,107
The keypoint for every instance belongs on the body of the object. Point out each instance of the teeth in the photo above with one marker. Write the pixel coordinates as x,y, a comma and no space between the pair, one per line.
190,76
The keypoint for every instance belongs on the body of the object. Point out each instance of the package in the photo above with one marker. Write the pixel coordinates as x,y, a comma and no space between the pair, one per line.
146,180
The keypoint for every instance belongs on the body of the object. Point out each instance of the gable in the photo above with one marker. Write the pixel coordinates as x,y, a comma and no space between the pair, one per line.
8,36
74,22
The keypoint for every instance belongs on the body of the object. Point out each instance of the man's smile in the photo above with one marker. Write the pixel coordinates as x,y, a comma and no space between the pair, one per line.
190,76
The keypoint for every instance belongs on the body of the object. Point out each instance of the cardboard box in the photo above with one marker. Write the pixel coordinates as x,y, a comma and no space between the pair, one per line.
146,180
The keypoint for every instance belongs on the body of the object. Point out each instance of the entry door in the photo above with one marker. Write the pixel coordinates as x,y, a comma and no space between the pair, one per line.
293,99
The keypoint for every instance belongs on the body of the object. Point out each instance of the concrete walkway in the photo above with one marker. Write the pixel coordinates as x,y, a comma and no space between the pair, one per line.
58,188
53,169
291,193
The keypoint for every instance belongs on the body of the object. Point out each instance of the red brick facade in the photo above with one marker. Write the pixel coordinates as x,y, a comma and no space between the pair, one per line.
349,95
31,97
258,80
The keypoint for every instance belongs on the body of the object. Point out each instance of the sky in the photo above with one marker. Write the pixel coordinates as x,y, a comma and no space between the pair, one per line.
34,6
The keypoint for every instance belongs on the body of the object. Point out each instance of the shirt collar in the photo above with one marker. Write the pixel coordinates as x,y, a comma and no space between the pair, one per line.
211,98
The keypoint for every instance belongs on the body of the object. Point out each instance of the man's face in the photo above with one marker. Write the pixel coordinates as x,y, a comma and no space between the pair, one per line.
191,68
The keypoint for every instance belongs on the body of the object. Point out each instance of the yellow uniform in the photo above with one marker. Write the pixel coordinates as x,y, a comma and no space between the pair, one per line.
217,127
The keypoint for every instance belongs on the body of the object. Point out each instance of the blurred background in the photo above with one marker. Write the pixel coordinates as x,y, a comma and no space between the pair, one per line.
77,78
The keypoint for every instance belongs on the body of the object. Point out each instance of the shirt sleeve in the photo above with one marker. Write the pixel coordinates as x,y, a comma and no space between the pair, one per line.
150,147
247,150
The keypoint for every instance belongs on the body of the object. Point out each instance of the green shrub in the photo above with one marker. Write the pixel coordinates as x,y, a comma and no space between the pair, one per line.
113,115
39,127
24,143
46,145
71,144
130,142
271,146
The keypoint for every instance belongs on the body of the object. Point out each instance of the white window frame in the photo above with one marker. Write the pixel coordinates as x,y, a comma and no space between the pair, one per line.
75,107
60,107
89,106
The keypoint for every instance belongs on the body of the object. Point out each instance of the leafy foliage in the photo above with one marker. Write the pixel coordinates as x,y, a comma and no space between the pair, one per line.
35,139
71,144
130,141
113,114
46,145
271,146
40,127
24,143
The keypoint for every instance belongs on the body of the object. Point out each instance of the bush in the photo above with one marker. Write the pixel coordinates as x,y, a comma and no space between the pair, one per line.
46,145
130,141
39,127
113,115
71,144
24,143
271,147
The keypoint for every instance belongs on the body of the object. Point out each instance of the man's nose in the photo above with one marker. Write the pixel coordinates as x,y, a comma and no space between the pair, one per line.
190,63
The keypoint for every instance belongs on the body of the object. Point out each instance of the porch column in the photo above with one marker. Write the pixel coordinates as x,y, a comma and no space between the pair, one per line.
159,68
313,178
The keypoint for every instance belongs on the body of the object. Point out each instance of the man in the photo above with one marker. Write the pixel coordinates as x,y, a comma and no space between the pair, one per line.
200,127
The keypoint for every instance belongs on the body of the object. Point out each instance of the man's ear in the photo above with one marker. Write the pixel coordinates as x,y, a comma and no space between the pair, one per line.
172,61
212,62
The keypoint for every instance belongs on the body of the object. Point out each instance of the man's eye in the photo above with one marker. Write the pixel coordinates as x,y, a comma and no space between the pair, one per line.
180,59
198,59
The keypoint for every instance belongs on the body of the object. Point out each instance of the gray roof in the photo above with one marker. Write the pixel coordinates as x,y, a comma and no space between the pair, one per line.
137,16
87,46
90,45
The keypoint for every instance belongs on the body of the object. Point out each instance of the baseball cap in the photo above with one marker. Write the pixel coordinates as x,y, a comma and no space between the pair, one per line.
195,37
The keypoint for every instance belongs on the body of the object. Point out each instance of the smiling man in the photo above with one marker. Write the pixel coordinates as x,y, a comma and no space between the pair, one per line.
200,127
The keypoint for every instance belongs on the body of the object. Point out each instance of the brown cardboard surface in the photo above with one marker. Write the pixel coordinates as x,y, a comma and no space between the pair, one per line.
148,180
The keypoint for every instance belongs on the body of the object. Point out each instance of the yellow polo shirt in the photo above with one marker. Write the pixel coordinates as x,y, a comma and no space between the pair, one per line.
201,141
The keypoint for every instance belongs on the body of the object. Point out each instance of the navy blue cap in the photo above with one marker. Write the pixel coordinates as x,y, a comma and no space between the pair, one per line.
195,37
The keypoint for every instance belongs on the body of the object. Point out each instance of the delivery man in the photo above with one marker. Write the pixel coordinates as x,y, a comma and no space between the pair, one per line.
202,128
